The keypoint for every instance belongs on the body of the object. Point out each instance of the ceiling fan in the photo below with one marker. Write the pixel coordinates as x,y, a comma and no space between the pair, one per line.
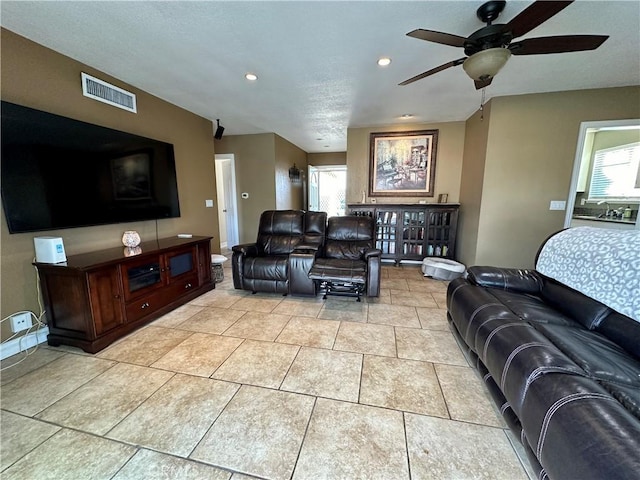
488,49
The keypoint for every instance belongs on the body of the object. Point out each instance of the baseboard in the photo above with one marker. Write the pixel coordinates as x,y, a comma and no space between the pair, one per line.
17,345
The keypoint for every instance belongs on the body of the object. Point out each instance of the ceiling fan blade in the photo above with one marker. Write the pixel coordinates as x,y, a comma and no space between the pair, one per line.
534,15
480,84
434,70
437,37
558,44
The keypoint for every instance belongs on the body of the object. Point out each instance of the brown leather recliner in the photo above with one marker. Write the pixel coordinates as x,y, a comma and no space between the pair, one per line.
350,263
280,259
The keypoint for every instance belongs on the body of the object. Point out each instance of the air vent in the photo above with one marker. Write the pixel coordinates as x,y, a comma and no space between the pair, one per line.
97,89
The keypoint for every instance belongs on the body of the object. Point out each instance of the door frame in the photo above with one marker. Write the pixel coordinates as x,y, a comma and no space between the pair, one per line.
229,196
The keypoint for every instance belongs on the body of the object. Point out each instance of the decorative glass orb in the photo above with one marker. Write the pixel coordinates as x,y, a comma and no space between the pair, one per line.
131,239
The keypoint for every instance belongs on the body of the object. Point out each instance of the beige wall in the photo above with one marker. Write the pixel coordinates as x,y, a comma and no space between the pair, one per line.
288,195
254,157
531,143
471,183
262,170
40,78
332,158
448,161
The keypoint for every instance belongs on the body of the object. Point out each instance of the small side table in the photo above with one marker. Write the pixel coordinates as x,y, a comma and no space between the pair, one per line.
217,272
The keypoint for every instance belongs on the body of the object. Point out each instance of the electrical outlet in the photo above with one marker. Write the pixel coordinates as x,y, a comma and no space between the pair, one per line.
20,321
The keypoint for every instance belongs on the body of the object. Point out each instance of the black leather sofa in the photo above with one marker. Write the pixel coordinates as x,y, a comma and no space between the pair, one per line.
562,367
280,259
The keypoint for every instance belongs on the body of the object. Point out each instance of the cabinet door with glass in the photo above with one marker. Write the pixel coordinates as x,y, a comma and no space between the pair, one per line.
441,232
180,263
140,277
413,228
386,231
412,232
181,269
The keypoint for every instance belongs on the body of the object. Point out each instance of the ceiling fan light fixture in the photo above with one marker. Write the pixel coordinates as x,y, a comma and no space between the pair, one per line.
486,63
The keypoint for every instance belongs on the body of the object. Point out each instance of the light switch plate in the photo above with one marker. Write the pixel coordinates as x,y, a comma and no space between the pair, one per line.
208,203
557,205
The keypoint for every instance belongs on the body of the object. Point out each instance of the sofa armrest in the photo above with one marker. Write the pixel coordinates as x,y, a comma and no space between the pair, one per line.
306,248
240,252
513,279
300,263
248,249
373,259
372,252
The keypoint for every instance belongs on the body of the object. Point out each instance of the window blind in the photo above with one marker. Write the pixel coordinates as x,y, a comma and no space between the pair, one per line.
614,173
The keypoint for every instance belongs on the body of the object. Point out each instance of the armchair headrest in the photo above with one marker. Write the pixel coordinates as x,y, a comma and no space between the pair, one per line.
349,237
280,231
350,228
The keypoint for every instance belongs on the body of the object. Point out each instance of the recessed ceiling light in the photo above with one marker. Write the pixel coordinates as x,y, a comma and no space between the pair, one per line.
319,138
406,116
384,61
251,76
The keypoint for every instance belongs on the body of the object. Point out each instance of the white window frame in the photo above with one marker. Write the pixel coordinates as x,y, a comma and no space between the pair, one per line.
622,160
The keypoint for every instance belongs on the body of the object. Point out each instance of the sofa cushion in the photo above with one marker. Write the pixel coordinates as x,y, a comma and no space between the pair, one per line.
315,228
587,311
532,308
629,397
623,331
339,270
470,307
266,268
515,280
579,431
280,231
348,237
598,356
516,356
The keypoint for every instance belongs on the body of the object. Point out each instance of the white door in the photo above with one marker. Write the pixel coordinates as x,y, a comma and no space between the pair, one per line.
227,205
314,195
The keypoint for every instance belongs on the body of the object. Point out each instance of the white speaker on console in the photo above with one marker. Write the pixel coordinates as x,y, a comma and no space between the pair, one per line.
49,250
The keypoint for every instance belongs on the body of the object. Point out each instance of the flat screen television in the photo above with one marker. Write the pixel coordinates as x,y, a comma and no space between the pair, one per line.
62,173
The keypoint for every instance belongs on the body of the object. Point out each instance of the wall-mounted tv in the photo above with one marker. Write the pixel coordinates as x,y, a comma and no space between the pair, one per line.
62,173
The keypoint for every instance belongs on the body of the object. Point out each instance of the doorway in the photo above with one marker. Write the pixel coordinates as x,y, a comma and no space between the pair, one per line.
328,189
227,200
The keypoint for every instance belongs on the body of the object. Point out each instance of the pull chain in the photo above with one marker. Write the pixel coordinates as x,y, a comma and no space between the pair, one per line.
482,105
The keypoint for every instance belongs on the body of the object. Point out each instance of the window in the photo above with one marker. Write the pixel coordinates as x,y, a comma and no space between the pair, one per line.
616,173
327,189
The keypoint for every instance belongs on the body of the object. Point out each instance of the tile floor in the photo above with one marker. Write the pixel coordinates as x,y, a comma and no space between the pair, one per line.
237,386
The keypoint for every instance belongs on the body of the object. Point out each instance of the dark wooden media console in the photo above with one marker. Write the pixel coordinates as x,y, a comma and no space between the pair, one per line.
95,298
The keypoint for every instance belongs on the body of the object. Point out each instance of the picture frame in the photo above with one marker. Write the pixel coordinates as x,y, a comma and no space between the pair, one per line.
403,164
443,198
131,176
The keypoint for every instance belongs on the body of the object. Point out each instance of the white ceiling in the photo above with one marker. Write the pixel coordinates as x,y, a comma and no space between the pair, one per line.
316,60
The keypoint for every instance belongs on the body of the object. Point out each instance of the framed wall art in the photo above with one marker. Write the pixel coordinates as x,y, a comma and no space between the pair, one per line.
403,163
